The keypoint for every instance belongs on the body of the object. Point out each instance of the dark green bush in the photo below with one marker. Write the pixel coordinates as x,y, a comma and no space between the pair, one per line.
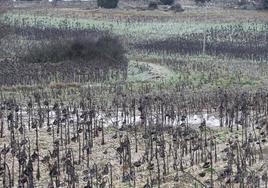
167,2
108,3
106,49
201,2
265,4
152,5
176,8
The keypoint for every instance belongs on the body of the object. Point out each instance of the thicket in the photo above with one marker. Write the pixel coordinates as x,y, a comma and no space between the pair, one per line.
167,2
152,5
64,55
201,2
265,4
108,3
245,45
77,48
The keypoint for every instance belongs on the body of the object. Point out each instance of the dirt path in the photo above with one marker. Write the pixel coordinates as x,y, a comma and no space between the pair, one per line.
145,71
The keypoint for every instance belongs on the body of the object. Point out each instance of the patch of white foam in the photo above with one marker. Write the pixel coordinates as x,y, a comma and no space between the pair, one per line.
211,120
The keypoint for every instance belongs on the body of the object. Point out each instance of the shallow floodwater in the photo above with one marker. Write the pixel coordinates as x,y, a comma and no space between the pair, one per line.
211,120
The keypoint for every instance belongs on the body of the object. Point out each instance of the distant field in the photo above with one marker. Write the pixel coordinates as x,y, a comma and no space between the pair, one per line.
152,30
138,25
